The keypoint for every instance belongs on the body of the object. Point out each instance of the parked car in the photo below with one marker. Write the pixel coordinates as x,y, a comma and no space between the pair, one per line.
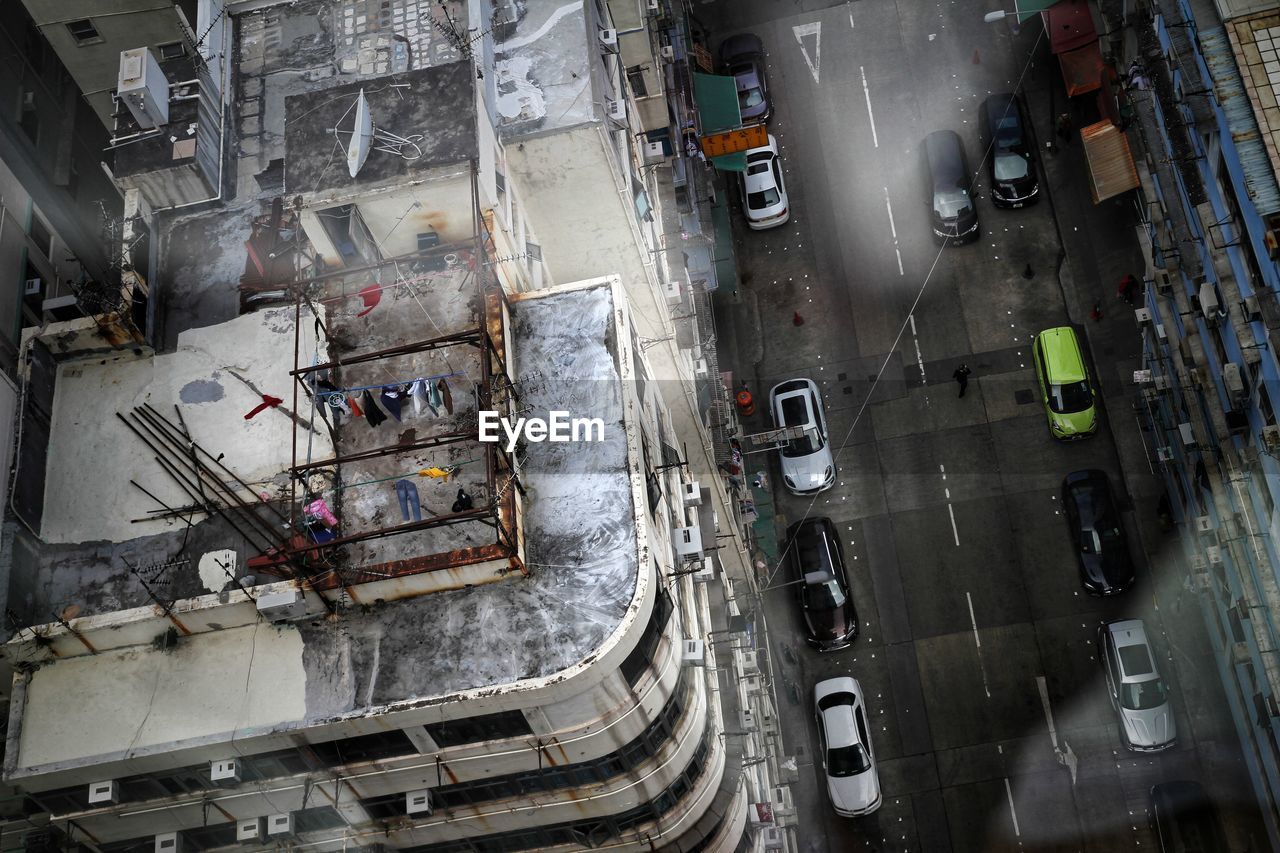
1137,691
954,218
1184,820
848,758
1065,388
807,464
1010,166
742,58
1102,549
822,587
764,192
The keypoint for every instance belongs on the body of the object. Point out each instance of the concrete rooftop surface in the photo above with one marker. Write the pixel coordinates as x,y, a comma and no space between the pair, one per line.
544,69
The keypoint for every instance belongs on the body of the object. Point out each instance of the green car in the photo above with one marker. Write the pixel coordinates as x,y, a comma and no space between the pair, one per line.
1064,384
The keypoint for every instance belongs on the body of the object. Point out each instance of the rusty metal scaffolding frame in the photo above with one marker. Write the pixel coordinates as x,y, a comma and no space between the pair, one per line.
496,391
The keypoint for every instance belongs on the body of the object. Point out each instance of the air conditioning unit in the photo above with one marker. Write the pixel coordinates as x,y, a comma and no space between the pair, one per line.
617,109
700,367
1209,303
224,770
654,152
691,493
169,842
688,541
707,573
1204,523
783,803
771,838
143,87
1161,333
33,287
747,719
283,606
1214,553
418,802
673,292
1233,378
104,792
1252,308
654,5
279,825
1164,281
668,53
1142,316
748,661
693,652
1271,438
609,38
1187,433
1143,377
251,829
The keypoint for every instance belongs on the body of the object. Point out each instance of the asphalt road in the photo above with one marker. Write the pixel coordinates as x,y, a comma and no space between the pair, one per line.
976,652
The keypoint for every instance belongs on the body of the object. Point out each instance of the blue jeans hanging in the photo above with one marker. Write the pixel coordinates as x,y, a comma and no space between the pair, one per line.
407,492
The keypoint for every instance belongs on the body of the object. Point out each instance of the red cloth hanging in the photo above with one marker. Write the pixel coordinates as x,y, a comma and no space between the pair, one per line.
268,402
371,295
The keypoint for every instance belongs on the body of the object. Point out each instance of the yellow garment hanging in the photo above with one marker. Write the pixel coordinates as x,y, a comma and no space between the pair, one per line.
438,473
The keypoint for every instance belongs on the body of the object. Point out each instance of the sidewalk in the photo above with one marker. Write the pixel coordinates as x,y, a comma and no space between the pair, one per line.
1101,245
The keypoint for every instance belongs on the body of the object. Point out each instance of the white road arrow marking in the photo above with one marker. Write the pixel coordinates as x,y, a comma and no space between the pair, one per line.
814,29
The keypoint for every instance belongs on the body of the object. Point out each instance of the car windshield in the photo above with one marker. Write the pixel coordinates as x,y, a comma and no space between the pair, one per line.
1008,134
848,760
810,442
1010,167
1143,695
1075,397
952,203
748,98
822,596
765,198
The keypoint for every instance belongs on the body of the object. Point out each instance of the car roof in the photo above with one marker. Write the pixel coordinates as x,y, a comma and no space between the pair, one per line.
737,45
946,156
996,106
1060,350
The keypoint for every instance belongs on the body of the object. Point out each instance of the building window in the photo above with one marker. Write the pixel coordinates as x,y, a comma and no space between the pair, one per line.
641,656
644,209
84,32
172,50
500,726
391,744
635,81
501,180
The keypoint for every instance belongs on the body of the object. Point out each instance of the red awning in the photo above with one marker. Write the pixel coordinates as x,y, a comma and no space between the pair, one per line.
1069,24
1082,69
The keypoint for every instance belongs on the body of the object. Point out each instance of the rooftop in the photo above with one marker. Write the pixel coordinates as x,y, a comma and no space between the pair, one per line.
544,67
583,549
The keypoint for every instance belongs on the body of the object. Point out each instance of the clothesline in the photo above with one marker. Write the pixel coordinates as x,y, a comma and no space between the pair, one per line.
329,392
415,473
403,282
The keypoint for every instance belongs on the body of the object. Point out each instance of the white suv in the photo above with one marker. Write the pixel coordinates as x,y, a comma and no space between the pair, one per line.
1137,691
807,464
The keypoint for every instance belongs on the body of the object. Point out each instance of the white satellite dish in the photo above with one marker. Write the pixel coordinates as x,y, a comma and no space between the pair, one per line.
362,138
365,137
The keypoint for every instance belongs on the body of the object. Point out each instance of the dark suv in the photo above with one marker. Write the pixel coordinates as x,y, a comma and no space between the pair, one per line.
954,218
1010,167
817,568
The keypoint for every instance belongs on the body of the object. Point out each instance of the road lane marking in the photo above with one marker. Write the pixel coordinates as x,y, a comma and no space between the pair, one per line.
899,254
955,532
1048,711
977,641
888,205
866,91
1008,790
814,29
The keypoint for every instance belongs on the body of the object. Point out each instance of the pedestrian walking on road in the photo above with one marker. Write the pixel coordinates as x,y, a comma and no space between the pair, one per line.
1096,314
1127,288
961,376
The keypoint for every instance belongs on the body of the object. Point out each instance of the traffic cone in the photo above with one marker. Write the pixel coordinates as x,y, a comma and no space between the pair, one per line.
977,58
797,319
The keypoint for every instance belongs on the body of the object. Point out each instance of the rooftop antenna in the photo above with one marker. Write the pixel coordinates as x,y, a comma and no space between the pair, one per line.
365,137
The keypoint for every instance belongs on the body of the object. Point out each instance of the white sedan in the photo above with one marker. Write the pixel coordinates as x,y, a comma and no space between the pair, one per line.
764,193
807,464
847,756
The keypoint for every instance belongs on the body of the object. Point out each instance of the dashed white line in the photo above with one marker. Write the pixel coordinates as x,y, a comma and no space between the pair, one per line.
977,641
955,532
866,91
888,205
1013,813
919,356
899,254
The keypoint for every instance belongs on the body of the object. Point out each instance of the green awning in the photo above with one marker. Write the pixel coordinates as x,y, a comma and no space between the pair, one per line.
717,97
1030,8
726,265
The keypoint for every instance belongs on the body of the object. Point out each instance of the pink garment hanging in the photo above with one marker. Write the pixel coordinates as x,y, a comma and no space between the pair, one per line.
320,510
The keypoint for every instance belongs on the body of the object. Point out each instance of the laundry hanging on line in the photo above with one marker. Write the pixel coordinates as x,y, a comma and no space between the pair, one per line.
372,413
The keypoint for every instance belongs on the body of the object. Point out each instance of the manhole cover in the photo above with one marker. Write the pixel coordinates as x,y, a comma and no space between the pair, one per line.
848,389
842,377
1024,396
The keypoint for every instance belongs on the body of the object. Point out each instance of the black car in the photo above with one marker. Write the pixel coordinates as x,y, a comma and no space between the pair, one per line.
1184,820
742,57
817,568
954,217
1094,523
1009,163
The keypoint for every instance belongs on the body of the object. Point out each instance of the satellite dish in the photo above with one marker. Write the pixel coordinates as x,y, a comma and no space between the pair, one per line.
361,138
